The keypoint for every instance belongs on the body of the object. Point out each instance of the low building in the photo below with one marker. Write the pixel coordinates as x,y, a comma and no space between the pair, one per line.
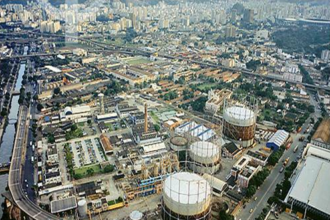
103,127
321,137
258,157
110,117
53,178
278,140
231,150
246,174
310,191
218,186
63,205
108,149
216,99
52,155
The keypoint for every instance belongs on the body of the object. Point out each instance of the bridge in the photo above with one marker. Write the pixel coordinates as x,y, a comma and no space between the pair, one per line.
35,55
4,168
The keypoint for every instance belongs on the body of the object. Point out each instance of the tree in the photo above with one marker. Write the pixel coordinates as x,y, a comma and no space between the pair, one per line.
57,91
74,127
78,176
157,127
51,138
251,190
108,168
4,112
90,172
224,216
40,107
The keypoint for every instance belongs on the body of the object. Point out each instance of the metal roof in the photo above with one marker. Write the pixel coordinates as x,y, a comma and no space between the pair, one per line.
279,137
63,204
312,185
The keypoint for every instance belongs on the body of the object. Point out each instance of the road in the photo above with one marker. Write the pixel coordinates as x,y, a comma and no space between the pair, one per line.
17,170
267,189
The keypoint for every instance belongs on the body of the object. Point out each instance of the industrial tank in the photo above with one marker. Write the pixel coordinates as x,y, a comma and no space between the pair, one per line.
178,143
239,125
186,196
82,208
204,157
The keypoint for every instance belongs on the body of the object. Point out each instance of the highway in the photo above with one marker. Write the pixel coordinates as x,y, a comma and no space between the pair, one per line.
135,51
15,172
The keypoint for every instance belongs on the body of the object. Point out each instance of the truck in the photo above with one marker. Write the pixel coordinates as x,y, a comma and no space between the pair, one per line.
286,161
302,138
295,149
287,146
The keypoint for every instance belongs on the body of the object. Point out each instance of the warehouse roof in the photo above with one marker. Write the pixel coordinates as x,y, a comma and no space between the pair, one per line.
323,132
312,184
63,205
279,137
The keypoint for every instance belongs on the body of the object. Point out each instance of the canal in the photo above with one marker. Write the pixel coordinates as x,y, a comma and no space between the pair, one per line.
10,131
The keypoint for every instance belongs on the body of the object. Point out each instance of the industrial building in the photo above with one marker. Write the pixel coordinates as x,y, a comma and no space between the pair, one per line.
195,130
278,140
75,112
204,157
239,124
322,135
310,190
186,196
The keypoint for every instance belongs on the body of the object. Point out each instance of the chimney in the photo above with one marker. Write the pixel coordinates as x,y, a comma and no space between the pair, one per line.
145,118
101,99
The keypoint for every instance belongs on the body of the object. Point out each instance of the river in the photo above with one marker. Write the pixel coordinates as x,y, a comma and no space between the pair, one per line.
10,131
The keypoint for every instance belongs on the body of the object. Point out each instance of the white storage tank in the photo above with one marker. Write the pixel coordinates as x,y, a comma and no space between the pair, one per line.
239,125
178,143
136,215
186,196
204,157
82,208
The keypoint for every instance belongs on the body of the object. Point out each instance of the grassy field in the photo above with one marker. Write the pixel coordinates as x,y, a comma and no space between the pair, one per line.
206,85
138,61
83,170
154,117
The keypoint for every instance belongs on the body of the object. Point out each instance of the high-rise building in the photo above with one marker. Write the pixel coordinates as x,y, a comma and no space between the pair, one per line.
248,16
325,55
230,31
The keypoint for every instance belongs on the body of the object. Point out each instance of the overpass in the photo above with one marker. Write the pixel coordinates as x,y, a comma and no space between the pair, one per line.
15,172
35,55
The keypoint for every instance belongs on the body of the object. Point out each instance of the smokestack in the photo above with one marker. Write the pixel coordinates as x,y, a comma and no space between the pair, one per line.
145,118
101,99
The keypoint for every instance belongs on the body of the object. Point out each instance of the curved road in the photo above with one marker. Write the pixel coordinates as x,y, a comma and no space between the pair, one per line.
15,173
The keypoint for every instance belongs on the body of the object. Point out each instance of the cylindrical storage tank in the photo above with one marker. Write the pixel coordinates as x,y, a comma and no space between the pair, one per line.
136,215
239,125
82,208
186,196
205,157
178,143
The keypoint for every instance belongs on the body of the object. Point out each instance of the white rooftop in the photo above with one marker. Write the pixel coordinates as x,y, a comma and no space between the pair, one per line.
187,188
204,149
239,112
312,184
279,137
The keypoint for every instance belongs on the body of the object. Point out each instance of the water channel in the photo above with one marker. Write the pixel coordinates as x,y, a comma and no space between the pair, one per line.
10,131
